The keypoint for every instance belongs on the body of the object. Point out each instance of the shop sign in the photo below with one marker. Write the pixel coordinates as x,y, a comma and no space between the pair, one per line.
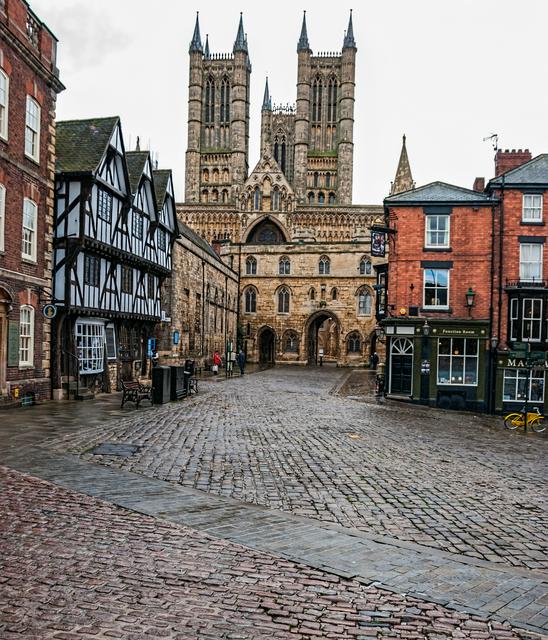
519,360
460,332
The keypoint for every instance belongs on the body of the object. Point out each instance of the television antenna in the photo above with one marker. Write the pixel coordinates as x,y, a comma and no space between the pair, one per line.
494,137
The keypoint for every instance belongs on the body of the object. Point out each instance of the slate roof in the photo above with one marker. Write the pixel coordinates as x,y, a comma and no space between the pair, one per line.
135,161
197,240
81,144
438,192
160,178
533,172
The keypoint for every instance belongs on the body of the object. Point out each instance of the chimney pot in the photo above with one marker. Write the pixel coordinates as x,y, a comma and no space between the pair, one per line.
479,184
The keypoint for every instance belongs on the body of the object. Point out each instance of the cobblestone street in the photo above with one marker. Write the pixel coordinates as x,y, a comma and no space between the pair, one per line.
295,507
446,480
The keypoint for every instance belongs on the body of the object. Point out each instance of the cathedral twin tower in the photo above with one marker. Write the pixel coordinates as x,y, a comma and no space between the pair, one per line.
311,141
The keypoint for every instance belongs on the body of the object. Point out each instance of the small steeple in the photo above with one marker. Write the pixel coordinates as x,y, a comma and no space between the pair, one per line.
240,43
267,102
196,42
403,180
138,144
349,42
303,45
206,48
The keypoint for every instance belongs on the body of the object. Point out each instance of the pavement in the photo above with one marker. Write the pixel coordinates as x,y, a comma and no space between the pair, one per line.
371,520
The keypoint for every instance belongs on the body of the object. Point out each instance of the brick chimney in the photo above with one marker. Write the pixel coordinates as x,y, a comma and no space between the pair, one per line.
479,184
506,160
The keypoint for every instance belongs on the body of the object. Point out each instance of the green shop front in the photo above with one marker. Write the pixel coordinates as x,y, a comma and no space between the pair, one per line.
519,379
441,363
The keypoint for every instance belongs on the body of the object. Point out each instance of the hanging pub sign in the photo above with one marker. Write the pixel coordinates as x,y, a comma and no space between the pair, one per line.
378,244
49,311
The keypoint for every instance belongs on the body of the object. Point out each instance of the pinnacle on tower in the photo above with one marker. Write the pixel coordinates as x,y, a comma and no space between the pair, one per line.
240,43
206,48
349,42
267,102
403,180
196,42
303,45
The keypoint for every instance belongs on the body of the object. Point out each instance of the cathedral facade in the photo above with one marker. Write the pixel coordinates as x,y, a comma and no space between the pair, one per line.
301,250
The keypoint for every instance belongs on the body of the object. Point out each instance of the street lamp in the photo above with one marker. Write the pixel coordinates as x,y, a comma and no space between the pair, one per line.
470,295
379,332
426,329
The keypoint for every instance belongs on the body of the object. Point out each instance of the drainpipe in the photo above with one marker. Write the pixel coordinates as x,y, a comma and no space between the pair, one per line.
492,350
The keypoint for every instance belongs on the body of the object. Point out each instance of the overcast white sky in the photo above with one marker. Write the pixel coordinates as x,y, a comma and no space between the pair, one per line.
445,73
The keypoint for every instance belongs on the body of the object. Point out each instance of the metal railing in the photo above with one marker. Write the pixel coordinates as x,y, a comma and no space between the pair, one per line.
534,283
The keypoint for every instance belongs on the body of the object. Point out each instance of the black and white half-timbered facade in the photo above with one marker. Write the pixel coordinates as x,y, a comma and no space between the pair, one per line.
114,232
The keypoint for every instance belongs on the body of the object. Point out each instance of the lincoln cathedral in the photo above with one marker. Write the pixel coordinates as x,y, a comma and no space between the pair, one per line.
287,227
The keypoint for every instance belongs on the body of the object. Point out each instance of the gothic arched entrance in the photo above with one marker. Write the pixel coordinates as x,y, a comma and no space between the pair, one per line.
267,341
322,337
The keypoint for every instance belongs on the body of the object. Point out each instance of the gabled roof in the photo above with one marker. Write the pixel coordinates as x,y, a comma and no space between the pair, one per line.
81,144
136,161
533,172
439,193
191,235
161,180
267,166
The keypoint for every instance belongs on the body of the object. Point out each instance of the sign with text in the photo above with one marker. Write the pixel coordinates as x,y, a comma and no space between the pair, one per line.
460,332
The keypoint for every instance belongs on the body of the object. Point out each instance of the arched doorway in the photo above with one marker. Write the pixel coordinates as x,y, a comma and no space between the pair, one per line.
322,337
401,366
267,341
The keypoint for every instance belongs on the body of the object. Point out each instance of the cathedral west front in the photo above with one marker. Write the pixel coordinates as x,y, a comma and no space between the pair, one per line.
286,226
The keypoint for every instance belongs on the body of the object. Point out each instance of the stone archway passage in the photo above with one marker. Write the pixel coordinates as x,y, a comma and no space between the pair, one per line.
322,338
267,341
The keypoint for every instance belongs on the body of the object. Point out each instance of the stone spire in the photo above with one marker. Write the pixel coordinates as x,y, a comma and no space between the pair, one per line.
303,45
403,180
196,42
267,101
240,43
349,42
206,48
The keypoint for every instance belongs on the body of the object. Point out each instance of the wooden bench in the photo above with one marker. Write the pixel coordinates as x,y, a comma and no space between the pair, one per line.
134,391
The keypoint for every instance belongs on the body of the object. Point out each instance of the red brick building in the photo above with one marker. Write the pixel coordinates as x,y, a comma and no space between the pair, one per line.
440,294
466,313
520,322
29,83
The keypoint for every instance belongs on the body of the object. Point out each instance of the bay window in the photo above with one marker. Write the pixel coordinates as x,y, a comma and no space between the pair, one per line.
90,346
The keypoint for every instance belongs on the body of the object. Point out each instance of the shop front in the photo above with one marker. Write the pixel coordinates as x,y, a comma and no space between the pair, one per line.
520,379
439,363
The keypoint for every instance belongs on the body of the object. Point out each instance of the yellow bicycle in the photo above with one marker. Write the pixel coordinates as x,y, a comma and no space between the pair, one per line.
535,420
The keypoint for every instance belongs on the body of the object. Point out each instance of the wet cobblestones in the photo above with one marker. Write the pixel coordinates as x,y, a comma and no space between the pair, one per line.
74,567
450,481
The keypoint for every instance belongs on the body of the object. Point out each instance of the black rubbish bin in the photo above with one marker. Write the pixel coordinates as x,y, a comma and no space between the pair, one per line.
161,381
177,382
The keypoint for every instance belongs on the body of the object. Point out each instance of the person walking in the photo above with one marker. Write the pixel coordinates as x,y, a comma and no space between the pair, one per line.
374,360
241,361
216,362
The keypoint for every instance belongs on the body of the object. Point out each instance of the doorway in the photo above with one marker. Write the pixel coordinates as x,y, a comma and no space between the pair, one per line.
401,367
267,340
322,338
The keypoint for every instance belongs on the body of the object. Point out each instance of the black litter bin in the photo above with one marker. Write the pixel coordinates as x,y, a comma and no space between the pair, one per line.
161,381
177,382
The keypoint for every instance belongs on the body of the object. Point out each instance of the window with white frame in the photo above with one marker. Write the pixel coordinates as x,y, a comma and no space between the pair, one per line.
530,261
532,207
514,319
436,288
104,205
531,324
364,302
458,361
4,103
32,130
521,385
437,231
26,336
90,346
2,214
30,216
